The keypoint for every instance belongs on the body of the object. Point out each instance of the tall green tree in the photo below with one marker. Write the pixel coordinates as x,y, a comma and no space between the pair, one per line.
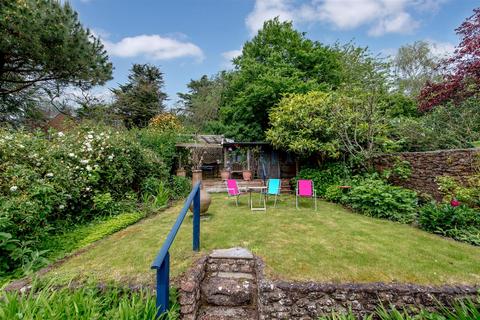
414,65
44,45
302,123
352,120
201,104
277,61
142,97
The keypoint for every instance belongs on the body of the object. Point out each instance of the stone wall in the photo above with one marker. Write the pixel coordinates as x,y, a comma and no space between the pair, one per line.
308,300
426,166
278,299
189,290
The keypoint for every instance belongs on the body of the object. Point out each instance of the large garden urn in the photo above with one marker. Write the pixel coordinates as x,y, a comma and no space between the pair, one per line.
205,198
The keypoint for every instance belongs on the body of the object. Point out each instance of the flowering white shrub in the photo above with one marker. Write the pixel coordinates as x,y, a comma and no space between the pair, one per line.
48,181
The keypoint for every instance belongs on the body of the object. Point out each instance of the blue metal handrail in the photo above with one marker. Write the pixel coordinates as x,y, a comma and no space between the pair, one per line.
162,261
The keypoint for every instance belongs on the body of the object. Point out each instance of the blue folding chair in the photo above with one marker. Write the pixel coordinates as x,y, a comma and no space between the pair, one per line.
273,189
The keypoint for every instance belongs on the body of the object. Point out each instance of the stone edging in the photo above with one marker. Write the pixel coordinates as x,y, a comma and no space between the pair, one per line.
280,299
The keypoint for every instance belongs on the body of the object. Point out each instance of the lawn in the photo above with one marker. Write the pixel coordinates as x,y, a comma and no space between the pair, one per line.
331,244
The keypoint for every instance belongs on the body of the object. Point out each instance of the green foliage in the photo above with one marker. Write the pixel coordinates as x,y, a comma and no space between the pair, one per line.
83,303
161,143
200,106
110,226
43,45
401,169
49,183
181,187
374,197
444,127
353,119
277,61
302,123
81,235
334,193
400,105
414,65
157,193
468,192
142,97
329,174
461,223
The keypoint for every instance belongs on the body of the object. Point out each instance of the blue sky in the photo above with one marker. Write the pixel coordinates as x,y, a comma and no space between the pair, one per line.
189,38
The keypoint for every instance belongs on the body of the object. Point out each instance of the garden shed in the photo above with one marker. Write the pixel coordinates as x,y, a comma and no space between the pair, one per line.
259,157
210,146
220,153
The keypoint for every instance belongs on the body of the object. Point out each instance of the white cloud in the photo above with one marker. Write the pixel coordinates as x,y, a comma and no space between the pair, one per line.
228,56
268,9
401,22
154,47
437,48
381,16
441,49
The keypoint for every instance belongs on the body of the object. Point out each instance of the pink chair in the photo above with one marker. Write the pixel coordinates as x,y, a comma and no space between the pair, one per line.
233,190
306,189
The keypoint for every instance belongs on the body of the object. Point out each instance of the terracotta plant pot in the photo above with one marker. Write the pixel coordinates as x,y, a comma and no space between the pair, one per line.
247,175
205,201
196,176
225,174
181,172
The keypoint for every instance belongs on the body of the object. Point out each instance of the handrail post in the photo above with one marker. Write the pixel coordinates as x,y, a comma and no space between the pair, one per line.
196,220
163,275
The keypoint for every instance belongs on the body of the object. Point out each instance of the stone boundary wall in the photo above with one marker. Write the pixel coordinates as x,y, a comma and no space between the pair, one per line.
279,299
427,166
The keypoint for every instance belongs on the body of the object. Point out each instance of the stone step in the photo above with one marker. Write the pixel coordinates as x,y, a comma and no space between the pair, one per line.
232,253
227,313
233,275
223,291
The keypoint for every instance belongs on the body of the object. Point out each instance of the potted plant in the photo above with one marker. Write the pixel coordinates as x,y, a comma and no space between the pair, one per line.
225,172
196,159
181,172
246,172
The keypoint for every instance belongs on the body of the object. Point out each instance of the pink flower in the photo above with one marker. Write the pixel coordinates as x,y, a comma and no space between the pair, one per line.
455,203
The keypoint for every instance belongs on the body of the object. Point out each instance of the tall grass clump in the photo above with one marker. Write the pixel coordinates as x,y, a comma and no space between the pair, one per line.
82,303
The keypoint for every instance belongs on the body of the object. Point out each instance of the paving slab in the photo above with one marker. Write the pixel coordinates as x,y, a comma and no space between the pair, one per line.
232,253
233,275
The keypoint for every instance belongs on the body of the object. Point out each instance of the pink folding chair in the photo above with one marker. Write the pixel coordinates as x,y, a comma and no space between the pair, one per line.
305,189
233,190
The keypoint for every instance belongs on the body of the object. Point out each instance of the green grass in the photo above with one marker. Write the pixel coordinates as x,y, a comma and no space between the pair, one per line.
332,244
59,245
43,302
81,236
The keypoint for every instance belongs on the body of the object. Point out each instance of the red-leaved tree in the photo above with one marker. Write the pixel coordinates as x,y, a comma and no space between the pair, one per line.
461,71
